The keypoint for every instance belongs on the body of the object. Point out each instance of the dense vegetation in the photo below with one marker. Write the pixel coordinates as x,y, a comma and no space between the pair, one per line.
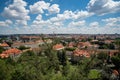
54,65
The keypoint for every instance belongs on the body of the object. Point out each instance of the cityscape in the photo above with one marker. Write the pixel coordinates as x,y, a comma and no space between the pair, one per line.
60,40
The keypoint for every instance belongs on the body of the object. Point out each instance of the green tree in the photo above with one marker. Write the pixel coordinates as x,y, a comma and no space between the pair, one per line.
4,71
23,48
62,57
102,56
94,74
1,49
116,61
117,42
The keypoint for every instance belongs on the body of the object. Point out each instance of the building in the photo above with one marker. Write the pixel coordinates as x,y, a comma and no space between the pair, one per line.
84,53
10,53
84,44
4,45
58,47
26,44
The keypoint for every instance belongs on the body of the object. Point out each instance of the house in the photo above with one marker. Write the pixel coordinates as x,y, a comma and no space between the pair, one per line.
84,44
115,75
48,41
58,47
108,41
10,52
71,44
40,42
26,44
4,45
84,53
29,38
79,54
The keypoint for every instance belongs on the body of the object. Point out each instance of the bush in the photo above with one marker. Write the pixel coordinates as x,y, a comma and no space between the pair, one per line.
70,49
94,74
23,48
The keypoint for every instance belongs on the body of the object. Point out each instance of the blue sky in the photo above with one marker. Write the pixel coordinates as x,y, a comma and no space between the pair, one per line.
60,16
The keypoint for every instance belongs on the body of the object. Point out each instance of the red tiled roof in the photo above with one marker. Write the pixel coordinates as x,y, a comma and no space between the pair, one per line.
84,44
58,47
4,45
78,52
109,41
6,53
115,72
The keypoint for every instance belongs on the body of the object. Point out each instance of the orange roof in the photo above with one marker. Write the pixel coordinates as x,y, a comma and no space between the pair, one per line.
115,72
4,45
78,52
108,41
58,47
84,44
6,53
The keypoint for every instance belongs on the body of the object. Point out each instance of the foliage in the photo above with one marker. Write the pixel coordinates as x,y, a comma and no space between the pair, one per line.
62,57
116,61
94,74
9,43
1,49
102,56
23,48
54,65
5,70
70,49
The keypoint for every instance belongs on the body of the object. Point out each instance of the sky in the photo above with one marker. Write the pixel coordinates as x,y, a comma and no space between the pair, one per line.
59,16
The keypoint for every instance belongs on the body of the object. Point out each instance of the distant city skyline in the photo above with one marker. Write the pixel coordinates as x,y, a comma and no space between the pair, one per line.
60,16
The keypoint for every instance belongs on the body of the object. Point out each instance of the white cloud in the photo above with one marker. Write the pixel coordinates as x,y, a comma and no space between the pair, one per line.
112,22
102,7
71,15
16,11
58,24
38,22
39,17
21,22
5,23
77,24
54,9
9,22
39,7
94,24
111,19
81,14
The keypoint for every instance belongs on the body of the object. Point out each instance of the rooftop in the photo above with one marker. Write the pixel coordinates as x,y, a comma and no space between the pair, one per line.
6,53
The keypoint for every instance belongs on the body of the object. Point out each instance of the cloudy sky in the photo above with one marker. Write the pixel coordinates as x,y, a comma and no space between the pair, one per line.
60,16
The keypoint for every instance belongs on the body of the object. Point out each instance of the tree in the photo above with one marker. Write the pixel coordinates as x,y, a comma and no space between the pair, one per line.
9,43
116,61
102,56
62,57
23,47
94,74
4,71
117,42
1,49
